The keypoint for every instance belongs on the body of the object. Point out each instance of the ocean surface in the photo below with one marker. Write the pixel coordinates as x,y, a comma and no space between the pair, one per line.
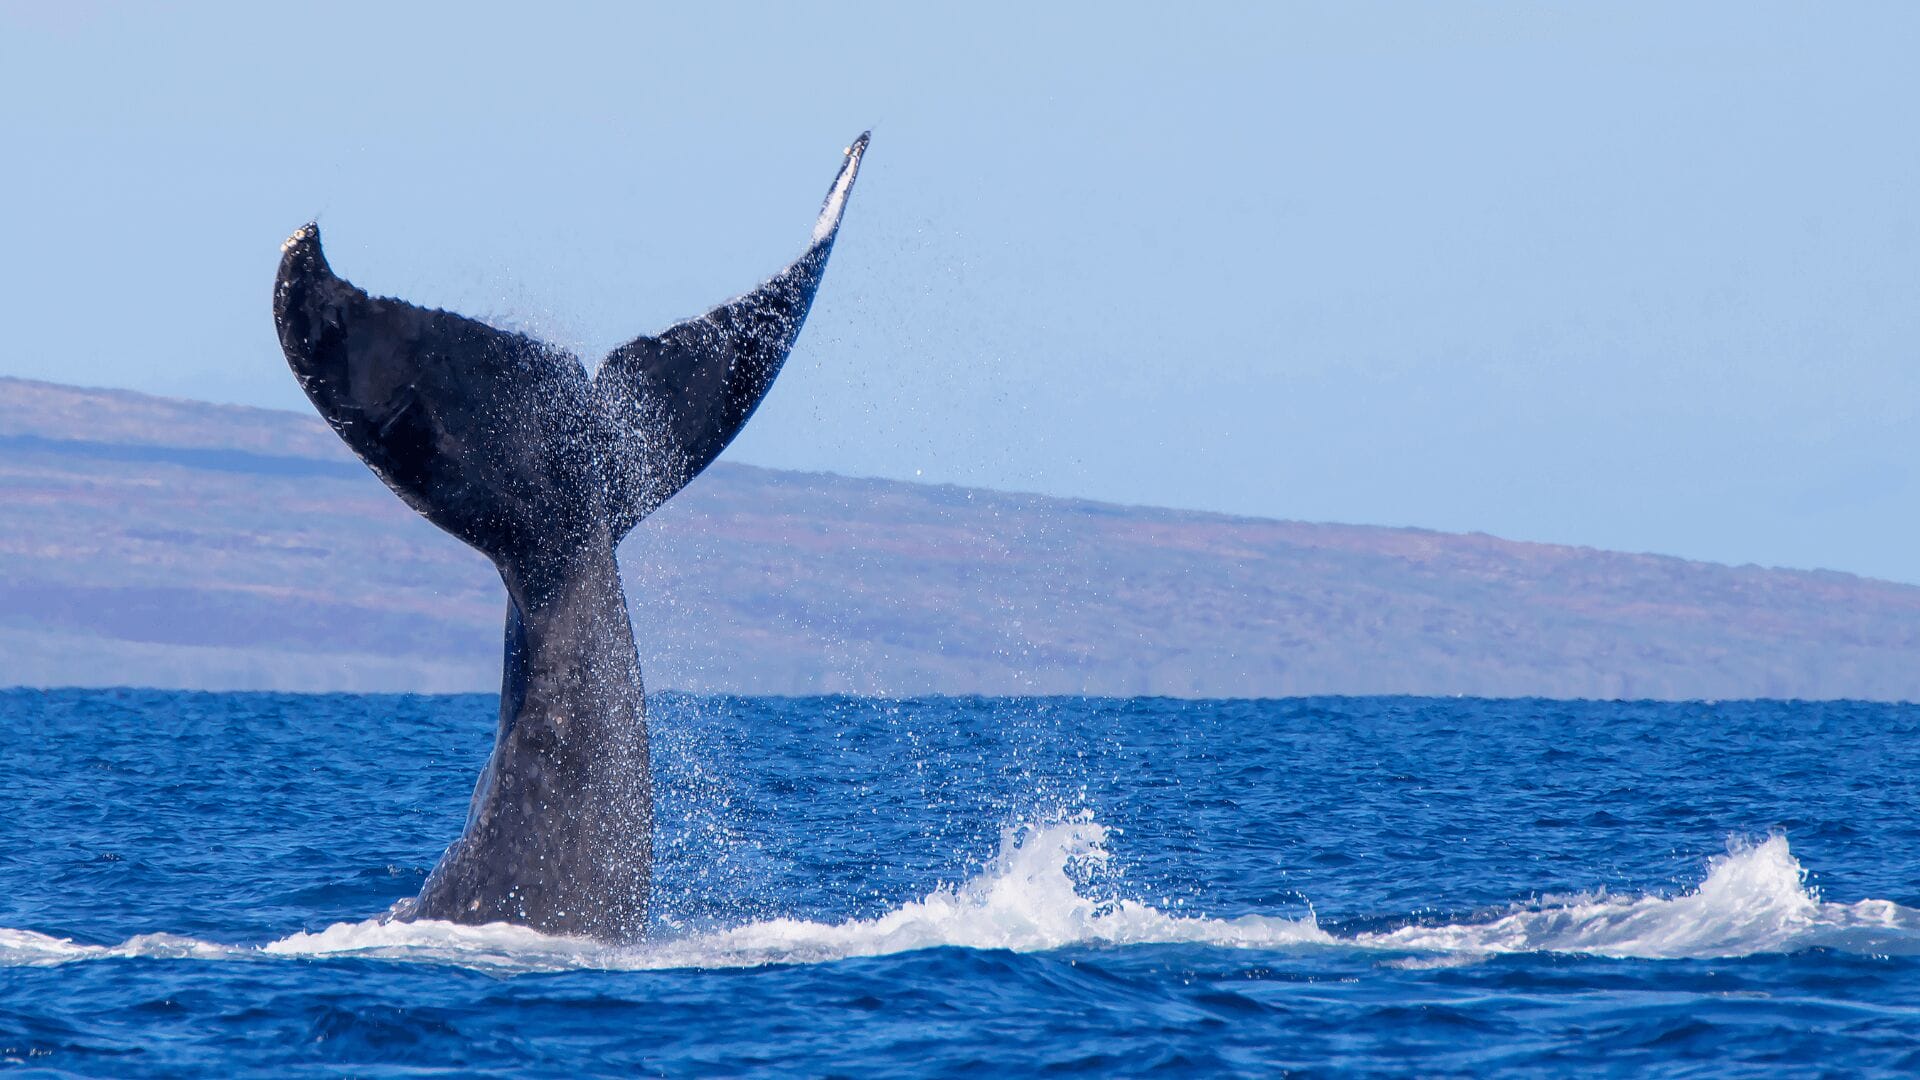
189,885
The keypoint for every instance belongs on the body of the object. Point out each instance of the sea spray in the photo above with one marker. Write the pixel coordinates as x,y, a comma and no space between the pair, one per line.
1030,898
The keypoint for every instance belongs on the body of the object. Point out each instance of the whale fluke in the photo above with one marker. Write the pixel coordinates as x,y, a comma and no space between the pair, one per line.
684,393
460,419
441,406
508,444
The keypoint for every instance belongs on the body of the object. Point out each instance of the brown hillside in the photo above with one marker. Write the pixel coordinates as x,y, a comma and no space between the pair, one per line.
170,543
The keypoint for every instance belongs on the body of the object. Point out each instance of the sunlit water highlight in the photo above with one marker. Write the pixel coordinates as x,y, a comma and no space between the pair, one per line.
1366,884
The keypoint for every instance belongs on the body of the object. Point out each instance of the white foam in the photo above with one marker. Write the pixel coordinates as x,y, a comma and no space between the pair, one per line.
25,948
496,946
1755,900
1027,899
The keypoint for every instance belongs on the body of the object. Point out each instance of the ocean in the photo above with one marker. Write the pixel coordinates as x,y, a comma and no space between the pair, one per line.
876,887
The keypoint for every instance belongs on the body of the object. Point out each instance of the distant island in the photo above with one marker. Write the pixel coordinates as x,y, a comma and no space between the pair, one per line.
155,542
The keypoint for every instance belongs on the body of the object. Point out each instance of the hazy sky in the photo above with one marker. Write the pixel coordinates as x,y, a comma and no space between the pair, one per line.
1640,278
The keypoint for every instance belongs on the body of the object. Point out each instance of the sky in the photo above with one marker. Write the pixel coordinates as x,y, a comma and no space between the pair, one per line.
1635,277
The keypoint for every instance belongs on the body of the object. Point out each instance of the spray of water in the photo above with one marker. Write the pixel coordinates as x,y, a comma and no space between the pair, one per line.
1028,899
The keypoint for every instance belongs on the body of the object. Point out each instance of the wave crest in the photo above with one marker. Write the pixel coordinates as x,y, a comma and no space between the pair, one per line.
1754,900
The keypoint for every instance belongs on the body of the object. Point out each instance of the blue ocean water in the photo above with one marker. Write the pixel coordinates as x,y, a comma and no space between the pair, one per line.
878,887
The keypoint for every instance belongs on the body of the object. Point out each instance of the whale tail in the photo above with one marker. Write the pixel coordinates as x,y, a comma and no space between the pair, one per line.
506,442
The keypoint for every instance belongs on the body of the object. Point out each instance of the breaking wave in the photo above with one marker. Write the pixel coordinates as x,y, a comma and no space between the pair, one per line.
1028,898
1755,900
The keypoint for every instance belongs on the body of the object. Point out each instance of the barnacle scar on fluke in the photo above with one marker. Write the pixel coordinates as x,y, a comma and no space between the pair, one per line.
508,444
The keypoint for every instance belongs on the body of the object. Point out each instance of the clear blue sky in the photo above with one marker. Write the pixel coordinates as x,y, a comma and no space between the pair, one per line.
1635,277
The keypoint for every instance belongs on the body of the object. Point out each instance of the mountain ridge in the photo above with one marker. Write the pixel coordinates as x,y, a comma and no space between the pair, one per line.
161,541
